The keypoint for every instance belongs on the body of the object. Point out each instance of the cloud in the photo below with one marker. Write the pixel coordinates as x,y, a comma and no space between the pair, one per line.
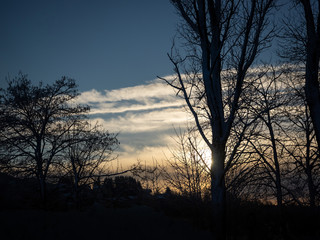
153,89
119,107
145,135
144,116
156,120
153,95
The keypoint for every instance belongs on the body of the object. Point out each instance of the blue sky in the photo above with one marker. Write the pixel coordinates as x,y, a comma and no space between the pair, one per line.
114,50
103,44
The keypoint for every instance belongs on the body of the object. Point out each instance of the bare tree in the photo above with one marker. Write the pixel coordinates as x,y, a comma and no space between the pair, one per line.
187,170
302,36
218,35
281,143
36,119
89,151
150,176
270,99
312,18
302,145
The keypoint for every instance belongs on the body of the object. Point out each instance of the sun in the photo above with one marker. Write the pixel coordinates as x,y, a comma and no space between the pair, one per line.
205,155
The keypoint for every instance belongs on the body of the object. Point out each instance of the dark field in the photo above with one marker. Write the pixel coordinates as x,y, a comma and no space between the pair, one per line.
138,222
144,216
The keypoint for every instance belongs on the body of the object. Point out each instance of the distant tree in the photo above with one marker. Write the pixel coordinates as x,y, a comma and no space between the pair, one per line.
187,171
302,148
89,151
150,176
35,120
271,98
218,35
125,186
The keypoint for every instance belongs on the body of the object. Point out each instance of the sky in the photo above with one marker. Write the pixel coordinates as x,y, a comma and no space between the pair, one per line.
114,50
103,44
145,116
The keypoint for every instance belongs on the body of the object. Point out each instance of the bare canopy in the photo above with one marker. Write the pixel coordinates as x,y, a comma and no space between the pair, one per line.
221,40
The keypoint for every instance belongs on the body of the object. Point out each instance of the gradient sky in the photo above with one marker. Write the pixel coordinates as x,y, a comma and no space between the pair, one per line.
103,44
114,50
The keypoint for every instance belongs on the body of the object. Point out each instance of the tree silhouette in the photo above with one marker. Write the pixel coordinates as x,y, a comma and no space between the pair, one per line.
302,46
301,146
35,120
271,97
89,151
218,34
187,170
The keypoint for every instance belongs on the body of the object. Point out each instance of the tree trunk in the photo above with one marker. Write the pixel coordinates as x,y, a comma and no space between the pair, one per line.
312,68
218,192
313,100
311,188
279,189
76,191
308,168
43,190
276,162
42,181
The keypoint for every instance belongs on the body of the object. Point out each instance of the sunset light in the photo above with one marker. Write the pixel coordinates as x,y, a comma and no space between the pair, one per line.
176,119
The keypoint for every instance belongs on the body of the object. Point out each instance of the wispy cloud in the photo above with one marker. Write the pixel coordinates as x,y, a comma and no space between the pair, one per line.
144,115
154,95
155,120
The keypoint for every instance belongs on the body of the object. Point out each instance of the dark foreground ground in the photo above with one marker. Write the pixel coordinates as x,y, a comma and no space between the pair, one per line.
96,222
120,216
144,222
23,217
